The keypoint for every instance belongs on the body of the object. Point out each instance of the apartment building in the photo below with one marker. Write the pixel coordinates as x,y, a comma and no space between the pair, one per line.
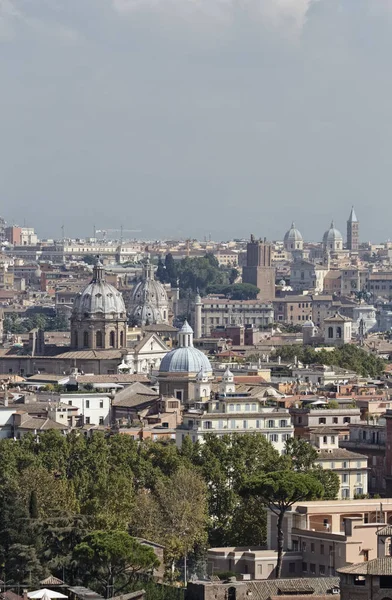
93,409
369,439
217,312
234,413
331,534
309,420
295,310
351,467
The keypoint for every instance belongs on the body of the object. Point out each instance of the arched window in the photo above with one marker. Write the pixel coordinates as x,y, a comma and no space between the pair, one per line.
338,332
330,332
231,593
85,339
112,339
98,339
122,339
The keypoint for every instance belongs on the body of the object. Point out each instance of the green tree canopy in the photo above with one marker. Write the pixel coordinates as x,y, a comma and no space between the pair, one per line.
112,556
278,491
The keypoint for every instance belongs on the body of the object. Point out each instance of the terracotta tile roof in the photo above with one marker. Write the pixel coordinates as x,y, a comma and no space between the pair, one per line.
37,423
116,378
377,566
315,586
338,454
51,580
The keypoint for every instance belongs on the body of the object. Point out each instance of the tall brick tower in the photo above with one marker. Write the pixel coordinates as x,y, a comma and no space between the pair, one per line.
353,232
258,270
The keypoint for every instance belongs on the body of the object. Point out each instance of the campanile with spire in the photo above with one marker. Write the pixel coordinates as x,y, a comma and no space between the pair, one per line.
353,232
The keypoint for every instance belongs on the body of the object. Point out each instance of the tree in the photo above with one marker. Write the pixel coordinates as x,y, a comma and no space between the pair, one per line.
329,480
174,514
161,274
278,491
301,456
33,505
113,555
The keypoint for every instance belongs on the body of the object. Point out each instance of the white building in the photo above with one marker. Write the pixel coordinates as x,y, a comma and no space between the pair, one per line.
351,467
145,357
218,312
229,413
94,409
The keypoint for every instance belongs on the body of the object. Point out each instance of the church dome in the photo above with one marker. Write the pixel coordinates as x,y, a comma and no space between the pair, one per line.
149,302
293,234
99,299
185,358
333,237
293,239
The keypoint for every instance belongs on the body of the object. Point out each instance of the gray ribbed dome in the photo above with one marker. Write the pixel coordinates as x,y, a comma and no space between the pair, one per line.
332,235
149,302
99,299
293,235
185,358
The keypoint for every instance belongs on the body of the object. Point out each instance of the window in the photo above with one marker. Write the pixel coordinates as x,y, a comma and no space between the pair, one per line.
87,403
101,404
98,339
101,421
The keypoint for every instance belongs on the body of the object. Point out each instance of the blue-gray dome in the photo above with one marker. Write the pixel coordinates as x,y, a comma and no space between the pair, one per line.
185,360
332,235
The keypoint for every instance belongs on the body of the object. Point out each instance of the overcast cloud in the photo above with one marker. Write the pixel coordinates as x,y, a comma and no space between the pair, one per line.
190,117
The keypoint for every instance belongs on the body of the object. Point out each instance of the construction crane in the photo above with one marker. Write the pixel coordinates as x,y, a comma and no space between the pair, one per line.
121,230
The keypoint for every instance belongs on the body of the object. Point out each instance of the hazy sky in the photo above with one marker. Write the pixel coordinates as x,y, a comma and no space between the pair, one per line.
190,117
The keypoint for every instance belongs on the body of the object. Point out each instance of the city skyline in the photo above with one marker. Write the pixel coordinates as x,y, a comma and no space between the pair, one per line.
176,117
